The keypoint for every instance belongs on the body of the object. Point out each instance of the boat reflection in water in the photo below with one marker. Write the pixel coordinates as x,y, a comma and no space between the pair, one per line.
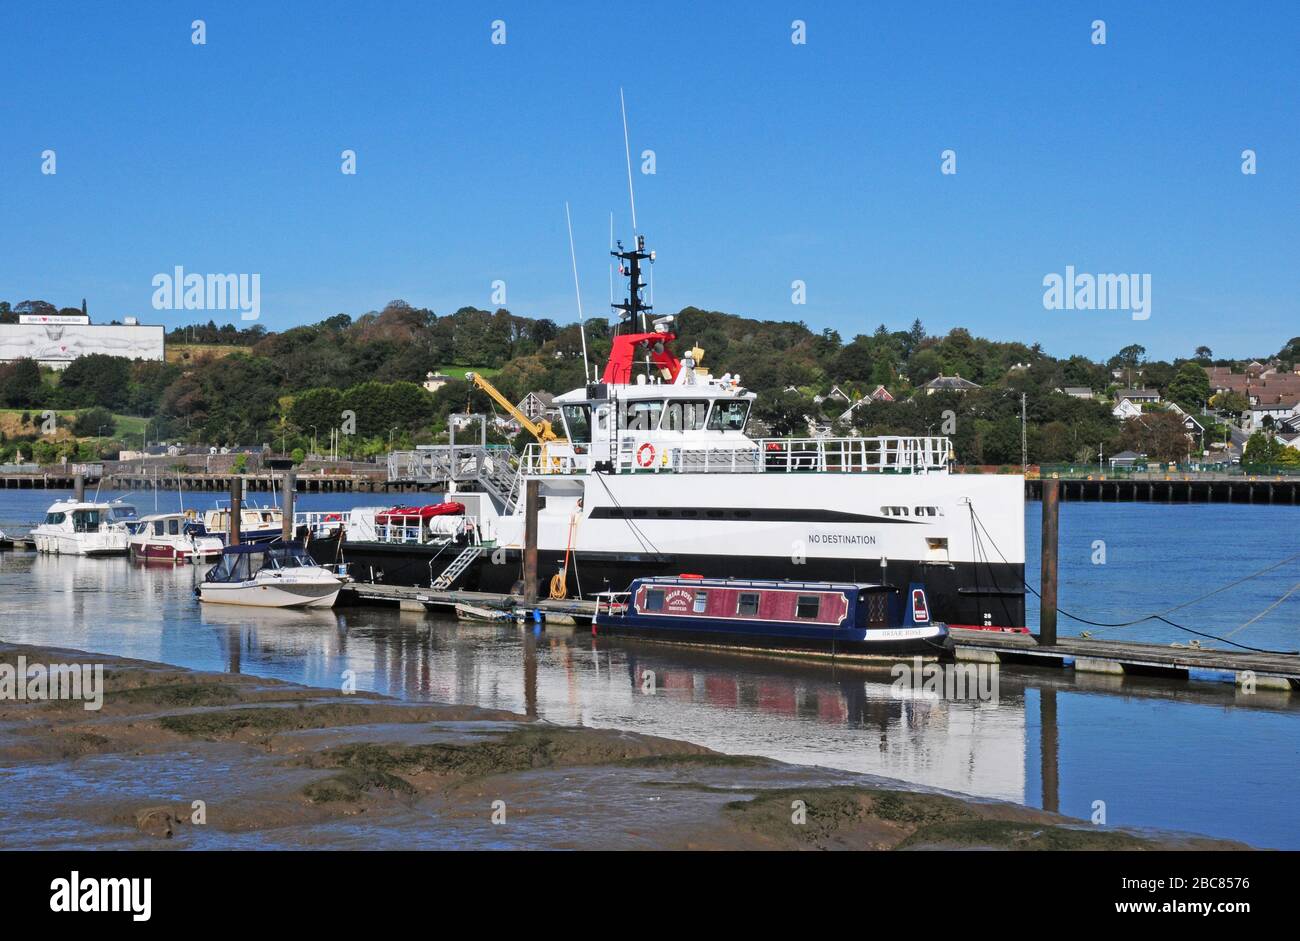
1048,738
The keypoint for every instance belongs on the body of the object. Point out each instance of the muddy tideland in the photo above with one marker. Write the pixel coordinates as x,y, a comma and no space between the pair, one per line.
177,758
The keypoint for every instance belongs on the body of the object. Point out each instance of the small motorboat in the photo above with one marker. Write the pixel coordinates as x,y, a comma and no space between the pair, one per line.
77,527
172,537
269,575
256,523
853,619
474,612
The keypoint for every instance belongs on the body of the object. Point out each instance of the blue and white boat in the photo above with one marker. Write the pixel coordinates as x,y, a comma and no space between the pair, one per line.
855,619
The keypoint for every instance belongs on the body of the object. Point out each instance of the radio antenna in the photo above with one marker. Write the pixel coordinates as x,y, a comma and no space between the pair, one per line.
627,151
582,328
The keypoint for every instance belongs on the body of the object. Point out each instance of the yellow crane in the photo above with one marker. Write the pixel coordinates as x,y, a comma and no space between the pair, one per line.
542,430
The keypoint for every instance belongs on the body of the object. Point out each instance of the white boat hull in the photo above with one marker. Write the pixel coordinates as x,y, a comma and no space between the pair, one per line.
85,544
316,592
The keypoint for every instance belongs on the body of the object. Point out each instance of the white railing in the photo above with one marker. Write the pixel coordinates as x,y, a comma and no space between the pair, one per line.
551,459
321,524
877,455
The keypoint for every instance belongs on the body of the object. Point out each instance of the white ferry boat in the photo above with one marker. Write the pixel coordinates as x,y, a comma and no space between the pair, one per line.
656,476
77,527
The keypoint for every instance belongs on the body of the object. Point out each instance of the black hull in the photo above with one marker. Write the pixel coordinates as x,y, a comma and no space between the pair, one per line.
960,594
732,641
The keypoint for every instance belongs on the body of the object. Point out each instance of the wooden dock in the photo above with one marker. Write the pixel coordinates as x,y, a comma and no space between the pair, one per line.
1083,655
1117,657
1174,488
418,599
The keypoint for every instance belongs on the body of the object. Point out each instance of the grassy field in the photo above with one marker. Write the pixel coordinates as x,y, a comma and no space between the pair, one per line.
124,426
186,352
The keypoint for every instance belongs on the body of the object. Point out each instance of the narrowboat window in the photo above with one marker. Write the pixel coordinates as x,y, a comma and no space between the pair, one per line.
577,421
729,416
747,603
808,606
701,602
654,599
685,416
642,416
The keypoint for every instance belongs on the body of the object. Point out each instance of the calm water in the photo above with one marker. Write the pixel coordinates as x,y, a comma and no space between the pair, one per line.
1195,757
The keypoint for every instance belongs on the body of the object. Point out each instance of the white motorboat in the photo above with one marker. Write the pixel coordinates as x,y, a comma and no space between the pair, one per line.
256,523
269,576
77,527
172,537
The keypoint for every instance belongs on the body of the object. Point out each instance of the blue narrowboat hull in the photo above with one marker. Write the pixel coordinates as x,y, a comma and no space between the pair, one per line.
912,640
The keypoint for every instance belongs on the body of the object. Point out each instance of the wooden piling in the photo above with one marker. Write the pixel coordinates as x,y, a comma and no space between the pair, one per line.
531,499
1051,533
286,532
79,488
236,507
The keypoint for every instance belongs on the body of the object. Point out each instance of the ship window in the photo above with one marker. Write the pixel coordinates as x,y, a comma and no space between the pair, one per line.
747,603
577,420
157,527
808,606
729,416
654,599
701,602
174,527
54,519
642,416
684,416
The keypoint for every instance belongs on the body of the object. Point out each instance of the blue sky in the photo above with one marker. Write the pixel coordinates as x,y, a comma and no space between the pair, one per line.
775,162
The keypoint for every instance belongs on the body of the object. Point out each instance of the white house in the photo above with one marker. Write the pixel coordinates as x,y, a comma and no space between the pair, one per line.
1126,409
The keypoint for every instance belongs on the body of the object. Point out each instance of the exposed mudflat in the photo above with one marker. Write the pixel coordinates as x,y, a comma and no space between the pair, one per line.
183,759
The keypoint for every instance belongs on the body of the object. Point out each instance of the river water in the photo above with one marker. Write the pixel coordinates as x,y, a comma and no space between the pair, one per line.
1197,756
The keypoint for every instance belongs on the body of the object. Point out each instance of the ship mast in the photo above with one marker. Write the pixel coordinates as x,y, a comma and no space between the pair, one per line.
633,311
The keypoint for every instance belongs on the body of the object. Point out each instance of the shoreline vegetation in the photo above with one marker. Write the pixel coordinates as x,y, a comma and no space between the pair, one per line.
225,386
187,759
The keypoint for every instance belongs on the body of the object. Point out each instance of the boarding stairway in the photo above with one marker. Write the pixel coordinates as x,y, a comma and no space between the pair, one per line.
457,566
490,467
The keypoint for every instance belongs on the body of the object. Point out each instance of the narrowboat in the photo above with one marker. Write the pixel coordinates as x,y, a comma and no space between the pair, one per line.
852,619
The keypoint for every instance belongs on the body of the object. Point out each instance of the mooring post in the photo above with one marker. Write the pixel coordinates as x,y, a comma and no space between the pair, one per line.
79,488
531,499
236,507
1051,534
286,532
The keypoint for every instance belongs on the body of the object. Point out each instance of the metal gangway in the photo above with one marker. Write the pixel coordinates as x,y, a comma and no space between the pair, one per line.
492,467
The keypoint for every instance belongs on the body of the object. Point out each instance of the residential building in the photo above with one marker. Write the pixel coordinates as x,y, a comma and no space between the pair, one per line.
942,383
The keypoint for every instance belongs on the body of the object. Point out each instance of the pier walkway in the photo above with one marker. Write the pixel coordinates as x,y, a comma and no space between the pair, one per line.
1083,655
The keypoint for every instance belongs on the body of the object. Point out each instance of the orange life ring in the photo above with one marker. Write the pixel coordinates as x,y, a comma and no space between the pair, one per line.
645,455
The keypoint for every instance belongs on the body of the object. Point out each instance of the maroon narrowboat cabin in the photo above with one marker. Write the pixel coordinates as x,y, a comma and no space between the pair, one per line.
851,619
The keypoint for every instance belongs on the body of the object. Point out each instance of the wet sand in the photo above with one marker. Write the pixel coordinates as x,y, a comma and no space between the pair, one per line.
184,759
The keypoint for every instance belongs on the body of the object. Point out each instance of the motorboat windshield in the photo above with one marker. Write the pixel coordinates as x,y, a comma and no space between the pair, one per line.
242,563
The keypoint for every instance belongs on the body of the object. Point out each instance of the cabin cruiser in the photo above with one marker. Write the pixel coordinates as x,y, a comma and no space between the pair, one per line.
256,523
77,527
172,537
862,619
269,575
656,473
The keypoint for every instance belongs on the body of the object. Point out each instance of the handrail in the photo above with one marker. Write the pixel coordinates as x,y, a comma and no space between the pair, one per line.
853,455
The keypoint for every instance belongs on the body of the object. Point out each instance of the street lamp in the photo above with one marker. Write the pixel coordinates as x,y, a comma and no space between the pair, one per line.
390,438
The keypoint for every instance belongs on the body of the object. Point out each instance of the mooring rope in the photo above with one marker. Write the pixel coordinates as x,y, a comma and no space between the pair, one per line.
1163,615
